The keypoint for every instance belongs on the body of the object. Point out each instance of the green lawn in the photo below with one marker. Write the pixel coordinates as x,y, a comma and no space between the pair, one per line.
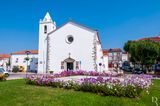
17,93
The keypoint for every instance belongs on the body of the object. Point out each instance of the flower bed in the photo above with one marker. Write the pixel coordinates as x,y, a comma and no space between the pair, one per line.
86,73
130,86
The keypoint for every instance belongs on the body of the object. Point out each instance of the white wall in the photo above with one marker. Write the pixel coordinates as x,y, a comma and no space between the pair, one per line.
106,62
20,58
81,49
42,62
34,64
100,57
4,62
124,57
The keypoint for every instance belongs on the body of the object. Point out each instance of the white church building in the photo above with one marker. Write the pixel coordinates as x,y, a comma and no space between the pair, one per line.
70,47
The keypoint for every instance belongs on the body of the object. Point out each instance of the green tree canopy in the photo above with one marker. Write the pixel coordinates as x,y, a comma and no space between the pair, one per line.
144,52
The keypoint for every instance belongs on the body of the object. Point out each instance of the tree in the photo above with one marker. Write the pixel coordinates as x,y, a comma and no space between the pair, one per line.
144,53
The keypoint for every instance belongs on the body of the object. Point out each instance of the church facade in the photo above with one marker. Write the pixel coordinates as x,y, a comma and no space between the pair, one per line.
70,47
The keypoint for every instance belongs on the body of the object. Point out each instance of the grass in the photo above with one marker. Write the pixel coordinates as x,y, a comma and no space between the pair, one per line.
17,93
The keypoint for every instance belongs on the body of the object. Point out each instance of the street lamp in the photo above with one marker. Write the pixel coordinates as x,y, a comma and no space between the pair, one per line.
27,59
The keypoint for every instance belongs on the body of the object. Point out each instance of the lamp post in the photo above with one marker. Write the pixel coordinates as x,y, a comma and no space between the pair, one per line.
27,59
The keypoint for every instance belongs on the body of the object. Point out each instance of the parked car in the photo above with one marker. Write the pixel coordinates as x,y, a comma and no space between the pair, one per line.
157,67
2,71
127,68
137,71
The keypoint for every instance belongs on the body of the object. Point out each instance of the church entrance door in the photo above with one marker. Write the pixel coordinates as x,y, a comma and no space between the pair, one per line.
69,66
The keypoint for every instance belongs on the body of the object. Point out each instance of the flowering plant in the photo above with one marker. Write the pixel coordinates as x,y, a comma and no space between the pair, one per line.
87,73
130,86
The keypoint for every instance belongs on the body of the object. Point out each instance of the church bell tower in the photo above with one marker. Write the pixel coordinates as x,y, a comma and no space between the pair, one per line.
46,26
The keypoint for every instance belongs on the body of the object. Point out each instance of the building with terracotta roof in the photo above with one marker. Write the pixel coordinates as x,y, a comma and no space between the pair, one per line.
24,52
105,58
4,60
105,52
111,50
125,56
4,56
19,59
116,56
155,39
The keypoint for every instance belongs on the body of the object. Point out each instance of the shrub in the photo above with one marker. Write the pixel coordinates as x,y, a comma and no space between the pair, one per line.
58,84
77,87
21,69
68,84
2,77
15,69
130,86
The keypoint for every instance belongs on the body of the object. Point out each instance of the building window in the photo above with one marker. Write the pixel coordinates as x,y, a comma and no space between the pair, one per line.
110,54
69,39
45,29
16,60
110,58
31,60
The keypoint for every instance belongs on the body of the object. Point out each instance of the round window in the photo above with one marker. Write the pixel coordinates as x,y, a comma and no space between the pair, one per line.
69,39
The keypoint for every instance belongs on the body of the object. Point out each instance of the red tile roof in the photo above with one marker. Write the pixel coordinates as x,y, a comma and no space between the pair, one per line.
4,56
124,53
115,50
156,39
24,52
105,52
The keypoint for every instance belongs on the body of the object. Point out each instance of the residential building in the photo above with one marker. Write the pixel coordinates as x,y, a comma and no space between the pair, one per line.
125,56
114,56
155,38
4,61
105,57
20,59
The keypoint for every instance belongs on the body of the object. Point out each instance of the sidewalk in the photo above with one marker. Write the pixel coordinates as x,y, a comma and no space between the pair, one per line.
12,73
13,78
18,75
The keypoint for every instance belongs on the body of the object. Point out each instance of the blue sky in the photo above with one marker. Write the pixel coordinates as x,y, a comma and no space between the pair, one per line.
116,20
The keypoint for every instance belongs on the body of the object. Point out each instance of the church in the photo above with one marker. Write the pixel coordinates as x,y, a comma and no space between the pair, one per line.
70,47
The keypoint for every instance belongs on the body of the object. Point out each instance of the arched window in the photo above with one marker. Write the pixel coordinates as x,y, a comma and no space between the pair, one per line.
45,29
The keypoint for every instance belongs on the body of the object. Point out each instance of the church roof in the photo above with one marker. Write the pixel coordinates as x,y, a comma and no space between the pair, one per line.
73,23
24,52
90,29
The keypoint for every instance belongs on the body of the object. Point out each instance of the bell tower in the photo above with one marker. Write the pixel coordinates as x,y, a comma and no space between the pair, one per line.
46,26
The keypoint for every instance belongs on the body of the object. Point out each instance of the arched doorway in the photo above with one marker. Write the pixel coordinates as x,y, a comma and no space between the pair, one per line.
69,64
